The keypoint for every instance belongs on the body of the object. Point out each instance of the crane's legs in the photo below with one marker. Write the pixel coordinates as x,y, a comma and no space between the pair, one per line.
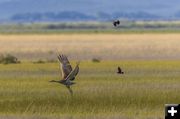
70,90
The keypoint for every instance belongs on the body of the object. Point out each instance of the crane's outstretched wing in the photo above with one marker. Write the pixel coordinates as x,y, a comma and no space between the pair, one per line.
73,73
65,66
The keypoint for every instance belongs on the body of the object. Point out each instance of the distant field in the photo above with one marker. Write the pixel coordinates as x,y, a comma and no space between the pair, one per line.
90,27
99,93
88,46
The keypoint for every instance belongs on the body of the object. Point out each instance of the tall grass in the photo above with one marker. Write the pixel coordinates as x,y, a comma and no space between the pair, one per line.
89,46
99,93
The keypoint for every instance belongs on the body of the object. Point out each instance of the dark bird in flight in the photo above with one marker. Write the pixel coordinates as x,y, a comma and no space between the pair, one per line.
120,71
68,75
116,23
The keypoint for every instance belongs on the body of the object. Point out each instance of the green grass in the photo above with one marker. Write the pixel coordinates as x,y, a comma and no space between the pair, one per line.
126,27
91,31
99,93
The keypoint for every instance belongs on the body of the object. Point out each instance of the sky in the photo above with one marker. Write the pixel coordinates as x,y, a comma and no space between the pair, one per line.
4,1
159,7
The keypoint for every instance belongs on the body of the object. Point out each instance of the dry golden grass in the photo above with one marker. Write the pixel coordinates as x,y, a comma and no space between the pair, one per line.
85,46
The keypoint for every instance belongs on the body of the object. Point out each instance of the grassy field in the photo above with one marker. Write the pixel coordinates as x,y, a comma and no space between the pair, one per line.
88,46
151,79
90,27
99,93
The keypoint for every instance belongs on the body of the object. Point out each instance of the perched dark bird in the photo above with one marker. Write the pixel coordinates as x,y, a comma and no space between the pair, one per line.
116,23
120,71
68,75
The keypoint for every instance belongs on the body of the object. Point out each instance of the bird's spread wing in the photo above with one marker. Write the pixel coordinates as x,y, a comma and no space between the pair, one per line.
65,66
114,23
73,73
119,69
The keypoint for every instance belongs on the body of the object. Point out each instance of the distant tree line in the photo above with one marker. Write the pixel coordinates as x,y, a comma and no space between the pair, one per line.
77,16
